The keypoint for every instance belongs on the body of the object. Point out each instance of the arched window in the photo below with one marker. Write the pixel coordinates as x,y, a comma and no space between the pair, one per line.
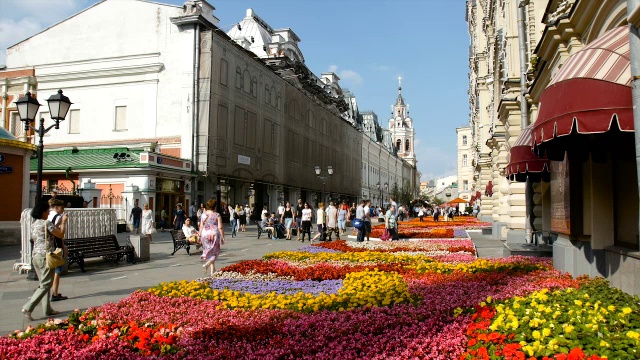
406,145
267,94
254,87
238,78
246,77
398,144
272,101
223,72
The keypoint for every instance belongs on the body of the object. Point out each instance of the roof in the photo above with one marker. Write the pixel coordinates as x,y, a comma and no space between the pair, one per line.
88,159
7,139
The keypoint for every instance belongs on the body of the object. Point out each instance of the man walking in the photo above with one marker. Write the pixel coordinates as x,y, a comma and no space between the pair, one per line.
193,215
360,214
136,215
299,209
332,221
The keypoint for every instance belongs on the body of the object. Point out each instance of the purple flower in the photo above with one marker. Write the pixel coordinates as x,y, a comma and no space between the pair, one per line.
318,249
278,286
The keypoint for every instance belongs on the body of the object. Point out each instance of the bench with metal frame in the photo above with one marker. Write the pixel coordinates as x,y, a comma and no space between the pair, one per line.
181,242
106,247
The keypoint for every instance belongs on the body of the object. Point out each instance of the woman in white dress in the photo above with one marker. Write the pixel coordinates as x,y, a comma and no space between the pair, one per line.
148,223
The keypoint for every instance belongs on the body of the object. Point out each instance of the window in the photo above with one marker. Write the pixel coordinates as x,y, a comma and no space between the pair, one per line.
465,185
238,78
74,121
252,123
246,78
223,72
239,126
16,127
254,87
398,144
121,118
52,185
267,94
464,160
406,145
464,139
278,101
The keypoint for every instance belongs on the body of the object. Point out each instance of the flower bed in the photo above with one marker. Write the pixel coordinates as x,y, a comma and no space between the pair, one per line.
425,299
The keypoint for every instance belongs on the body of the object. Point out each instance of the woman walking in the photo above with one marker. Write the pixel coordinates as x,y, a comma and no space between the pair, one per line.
342,219
287,219
148,224
43,233
178,219
321,221
307,215
242,219
233,220
391,224
211,236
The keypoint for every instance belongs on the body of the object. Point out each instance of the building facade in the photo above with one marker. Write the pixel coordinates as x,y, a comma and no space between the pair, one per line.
574,144
494,102
198,111
401,128
466,170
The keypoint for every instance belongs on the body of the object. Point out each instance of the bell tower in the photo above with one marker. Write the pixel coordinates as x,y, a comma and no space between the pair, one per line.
401,128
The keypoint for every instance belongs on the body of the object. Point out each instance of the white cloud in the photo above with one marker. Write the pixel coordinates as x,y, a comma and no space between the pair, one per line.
21,19
348,77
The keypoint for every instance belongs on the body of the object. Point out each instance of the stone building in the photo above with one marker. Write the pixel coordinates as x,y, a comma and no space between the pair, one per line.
494,103
232,113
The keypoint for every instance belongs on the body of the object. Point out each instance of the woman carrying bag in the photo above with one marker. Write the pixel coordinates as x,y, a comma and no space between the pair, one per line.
43,233
390,224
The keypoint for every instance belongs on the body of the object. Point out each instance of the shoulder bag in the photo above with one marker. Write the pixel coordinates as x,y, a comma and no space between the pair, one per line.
54,258
358,223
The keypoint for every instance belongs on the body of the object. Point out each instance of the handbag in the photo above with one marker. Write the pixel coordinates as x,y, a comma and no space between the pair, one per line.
385,235
358,223
54,258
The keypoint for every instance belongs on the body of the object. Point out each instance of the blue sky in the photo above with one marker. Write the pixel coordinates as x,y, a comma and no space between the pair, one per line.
369,43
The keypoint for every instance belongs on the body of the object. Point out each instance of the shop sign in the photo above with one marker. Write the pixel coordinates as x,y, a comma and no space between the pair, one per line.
560,197
244,160
6,169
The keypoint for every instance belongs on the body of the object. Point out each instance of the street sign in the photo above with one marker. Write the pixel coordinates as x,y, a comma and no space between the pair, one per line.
6,169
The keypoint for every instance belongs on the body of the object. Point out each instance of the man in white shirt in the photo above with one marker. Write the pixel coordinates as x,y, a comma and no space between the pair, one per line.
393,203
281,209
264,216
360,214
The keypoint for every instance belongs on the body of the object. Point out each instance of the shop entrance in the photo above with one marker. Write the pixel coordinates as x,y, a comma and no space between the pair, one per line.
170,193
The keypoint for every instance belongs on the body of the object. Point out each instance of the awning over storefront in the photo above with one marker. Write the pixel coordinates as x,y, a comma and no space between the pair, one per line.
590,94
523,162
488,191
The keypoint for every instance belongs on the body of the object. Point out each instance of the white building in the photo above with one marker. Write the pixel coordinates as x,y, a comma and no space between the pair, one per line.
401,128
249,128
466,170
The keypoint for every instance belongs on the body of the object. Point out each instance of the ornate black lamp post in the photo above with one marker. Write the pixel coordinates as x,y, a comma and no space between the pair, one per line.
27,108
323,178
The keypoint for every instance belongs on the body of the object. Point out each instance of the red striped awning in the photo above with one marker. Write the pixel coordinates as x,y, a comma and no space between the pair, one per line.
523,162
590,94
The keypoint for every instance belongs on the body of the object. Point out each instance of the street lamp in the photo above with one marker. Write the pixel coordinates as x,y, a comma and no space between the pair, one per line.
380,188
27,108
318,171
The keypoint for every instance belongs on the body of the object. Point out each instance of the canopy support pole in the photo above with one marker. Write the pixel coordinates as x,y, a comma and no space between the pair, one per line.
633,9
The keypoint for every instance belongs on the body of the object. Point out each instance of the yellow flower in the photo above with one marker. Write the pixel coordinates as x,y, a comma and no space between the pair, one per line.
536,334
604,343
567,329
633,335
578,302
626,310
546,331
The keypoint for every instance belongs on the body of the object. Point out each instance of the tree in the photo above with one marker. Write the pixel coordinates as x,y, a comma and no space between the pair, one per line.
437,201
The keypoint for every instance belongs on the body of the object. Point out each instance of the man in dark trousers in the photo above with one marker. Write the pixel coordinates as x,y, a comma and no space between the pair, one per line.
136,215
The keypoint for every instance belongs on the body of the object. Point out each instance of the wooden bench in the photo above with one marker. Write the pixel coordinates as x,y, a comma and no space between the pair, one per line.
181,242
106,247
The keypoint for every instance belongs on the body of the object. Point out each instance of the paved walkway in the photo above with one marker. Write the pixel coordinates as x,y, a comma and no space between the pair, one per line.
487,246
106,282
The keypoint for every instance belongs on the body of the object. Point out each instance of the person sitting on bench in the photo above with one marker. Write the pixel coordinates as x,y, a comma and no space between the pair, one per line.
270,227
190,233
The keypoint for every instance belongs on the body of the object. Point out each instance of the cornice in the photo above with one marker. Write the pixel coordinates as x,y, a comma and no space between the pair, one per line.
102,73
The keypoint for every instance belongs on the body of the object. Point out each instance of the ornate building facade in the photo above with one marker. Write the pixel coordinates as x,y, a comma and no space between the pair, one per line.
494,104
401,128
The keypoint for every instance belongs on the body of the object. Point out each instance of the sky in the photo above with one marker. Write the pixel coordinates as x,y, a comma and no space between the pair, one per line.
368,43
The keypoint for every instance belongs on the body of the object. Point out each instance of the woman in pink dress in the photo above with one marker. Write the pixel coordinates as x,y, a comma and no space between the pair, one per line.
211,236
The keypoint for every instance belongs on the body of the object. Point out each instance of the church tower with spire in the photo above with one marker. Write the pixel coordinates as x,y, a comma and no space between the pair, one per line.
401,128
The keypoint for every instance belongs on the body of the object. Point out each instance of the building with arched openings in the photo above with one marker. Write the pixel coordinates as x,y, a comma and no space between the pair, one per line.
401,128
